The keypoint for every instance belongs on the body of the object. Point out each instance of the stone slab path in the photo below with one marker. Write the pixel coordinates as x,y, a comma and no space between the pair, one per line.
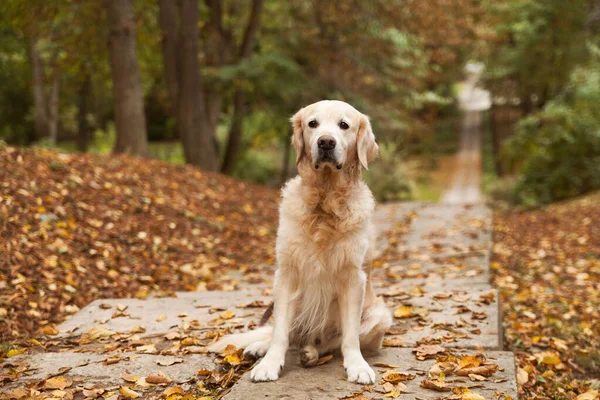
433,270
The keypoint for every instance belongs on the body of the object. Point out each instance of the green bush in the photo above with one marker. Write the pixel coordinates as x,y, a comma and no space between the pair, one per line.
387,177
557,150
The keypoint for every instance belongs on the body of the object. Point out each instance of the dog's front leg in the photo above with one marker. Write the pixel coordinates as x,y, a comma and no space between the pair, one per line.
271,365
351,300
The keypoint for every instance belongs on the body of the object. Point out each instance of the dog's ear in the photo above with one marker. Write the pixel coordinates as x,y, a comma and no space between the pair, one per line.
298,135
365,143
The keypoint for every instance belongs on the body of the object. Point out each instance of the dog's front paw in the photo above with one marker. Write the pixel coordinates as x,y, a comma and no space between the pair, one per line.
257,349
359,371
268,369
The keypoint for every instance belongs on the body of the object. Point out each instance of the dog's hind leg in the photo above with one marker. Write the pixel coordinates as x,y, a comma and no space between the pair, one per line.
310,353
374,325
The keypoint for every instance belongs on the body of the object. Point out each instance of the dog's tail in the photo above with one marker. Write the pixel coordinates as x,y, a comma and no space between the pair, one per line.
241,340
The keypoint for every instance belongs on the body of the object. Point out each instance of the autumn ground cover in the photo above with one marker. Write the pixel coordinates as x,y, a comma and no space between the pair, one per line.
546,264
74,228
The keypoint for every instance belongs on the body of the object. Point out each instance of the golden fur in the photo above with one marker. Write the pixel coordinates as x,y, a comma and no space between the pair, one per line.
323,295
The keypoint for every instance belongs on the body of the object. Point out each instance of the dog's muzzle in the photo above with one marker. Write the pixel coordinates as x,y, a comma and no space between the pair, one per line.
326,154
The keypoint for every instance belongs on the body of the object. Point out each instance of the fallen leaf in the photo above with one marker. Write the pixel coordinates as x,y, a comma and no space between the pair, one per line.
59,383
173,390
126,376
128,393
436,385
158,379
403,312
395,376
166,363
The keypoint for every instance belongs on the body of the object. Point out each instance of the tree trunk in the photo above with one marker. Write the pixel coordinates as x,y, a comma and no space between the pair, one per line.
127,88
167,18
39,95
198,145
239,108
83,135
235,132
53,106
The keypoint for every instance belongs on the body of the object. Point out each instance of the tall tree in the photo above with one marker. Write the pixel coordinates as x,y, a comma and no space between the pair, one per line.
198,144
127,88
239,100
168,20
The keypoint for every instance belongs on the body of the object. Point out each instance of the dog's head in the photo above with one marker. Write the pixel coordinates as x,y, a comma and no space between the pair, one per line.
332,134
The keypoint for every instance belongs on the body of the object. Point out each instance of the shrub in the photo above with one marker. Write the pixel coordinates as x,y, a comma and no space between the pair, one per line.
557,150
387,177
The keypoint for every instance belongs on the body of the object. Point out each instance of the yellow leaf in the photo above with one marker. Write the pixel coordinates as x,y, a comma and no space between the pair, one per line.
395,376
128,393
59,382
403,312
129,378
470,362
15,352
50,330
551,359
227,314
172,391
589,395
472,396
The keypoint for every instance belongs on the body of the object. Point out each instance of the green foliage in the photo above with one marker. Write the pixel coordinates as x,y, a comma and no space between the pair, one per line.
257,166
536,44
387,177
558,148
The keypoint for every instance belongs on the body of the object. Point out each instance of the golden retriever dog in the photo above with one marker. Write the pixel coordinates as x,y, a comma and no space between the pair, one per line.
323,299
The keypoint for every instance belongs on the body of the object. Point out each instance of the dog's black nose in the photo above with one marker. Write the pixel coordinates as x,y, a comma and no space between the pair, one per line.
326,142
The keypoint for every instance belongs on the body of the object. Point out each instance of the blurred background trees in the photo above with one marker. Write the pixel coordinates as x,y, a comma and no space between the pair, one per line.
213,82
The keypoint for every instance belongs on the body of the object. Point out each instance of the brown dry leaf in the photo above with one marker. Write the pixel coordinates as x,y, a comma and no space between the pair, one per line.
98,332
137,329
324,359
385,365
355,396
175,390
158,379
128,393
126,376
228,315
112,360
57,383
472,396
436,385
428,350
166,363
204,372
147,349
393,342
403,312
161,318
522,376
485,370
395,376
477,378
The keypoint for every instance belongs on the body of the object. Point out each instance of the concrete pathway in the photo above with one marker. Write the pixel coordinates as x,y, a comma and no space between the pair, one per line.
433,272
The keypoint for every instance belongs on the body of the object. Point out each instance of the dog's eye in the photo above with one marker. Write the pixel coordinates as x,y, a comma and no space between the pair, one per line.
313,124
344,125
